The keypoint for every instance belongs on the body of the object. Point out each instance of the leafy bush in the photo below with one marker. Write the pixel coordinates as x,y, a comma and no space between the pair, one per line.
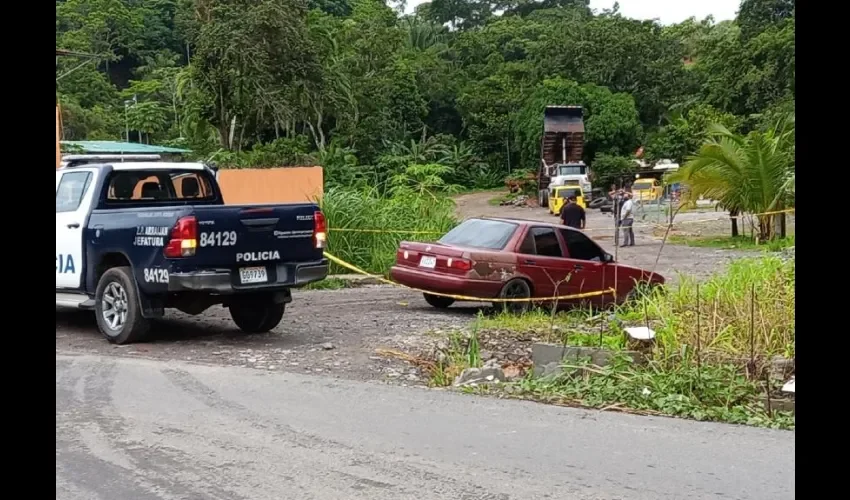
612,169
525,180
283,152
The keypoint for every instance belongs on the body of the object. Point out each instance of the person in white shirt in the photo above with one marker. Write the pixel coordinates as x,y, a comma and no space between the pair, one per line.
626,220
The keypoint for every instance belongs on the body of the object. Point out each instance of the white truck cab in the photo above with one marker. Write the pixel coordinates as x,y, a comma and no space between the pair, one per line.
563,174
74,196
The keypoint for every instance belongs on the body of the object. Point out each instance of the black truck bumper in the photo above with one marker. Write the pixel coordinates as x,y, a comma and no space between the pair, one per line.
227,281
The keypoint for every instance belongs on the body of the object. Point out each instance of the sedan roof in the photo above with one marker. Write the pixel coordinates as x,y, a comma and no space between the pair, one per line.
527,222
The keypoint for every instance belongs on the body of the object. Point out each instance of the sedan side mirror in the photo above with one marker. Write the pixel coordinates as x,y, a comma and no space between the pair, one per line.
607,258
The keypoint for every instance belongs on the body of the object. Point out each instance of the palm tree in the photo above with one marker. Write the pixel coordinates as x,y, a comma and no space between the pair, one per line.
745,173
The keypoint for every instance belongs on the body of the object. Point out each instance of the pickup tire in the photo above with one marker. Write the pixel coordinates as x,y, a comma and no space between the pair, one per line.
257,318
117,309
544,198
438,301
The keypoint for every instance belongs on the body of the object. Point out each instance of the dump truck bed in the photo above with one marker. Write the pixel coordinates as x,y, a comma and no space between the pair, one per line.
562,142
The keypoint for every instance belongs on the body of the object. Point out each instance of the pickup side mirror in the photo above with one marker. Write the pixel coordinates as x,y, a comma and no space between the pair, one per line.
607,258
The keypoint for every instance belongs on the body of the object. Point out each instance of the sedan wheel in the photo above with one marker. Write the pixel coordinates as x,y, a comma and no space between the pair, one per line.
438,301
515,289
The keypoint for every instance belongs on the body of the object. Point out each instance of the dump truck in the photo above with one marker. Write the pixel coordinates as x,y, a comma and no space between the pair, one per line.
561,150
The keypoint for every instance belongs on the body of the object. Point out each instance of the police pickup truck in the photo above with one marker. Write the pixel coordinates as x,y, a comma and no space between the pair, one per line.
135,238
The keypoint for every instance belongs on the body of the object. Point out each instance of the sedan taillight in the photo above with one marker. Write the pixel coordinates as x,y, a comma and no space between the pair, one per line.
460,264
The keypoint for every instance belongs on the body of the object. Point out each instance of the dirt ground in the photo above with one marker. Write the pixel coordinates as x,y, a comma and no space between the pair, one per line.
336,332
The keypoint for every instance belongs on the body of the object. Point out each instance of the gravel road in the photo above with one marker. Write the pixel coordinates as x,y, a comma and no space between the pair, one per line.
334,332
135,429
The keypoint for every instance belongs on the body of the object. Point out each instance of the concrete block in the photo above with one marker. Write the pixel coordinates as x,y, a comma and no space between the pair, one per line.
545,356
780,405
781,367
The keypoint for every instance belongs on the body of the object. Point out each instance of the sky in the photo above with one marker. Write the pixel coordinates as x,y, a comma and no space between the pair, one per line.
671,11
666,11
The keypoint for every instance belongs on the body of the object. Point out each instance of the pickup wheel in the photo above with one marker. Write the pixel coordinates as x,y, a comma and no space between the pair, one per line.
119,316
438,302
257,318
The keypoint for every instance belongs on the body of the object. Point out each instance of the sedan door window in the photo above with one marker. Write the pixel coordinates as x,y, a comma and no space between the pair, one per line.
581,247
541,241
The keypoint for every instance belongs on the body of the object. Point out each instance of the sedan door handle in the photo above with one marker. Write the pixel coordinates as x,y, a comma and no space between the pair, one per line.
578,266
532,262
73,225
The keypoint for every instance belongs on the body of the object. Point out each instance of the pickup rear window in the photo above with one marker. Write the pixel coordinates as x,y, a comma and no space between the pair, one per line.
151,185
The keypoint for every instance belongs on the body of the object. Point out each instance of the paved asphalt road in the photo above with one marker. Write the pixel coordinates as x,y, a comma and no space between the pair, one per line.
135,429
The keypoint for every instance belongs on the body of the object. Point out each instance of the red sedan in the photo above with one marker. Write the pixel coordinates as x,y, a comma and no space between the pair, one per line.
511,258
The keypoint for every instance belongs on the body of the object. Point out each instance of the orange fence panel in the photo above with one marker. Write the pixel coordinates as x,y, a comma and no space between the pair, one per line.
271,185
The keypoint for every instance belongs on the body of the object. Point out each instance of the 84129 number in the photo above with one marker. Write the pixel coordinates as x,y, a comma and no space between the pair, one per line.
154,275
218,239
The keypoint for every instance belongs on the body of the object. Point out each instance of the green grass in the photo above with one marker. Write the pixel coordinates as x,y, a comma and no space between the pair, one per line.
400,217
750,305
729,243
711,392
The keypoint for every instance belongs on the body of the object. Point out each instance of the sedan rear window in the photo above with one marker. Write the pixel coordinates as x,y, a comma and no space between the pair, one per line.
480,233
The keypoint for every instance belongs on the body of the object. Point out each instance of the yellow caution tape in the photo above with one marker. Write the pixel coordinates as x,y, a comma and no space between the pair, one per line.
395,231
728,217
655,225
356,269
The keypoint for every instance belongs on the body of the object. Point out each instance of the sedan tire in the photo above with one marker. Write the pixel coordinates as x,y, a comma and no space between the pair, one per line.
515,289
438,301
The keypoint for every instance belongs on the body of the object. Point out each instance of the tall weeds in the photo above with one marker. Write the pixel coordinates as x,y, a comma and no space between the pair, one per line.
754,295
348,210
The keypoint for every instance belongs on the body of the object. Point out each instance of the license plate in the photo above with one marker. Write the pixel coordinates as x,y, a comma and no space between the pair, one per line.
429,262
253,275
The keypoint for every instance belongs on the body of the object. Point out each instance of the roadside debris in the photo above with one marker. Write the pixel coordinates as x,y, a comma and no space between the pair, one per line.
519,201
490,373
423,364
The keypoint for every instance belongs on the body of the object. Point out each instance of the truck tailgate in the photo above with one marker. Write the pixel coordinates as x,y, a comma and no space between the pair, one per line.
236,236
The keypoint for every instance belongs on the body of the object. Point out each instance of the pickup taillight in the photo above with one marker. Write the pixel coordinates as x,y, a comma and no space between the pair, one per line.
184,238
320,230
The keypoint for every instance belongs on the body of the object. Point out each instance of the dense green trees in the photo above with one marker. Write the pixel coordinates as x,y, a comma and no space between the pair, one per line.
453,92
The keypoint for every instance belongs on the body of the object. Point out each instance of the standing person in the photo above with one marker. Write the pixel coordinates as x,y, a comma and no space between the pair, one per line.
627,219
617,198
572,214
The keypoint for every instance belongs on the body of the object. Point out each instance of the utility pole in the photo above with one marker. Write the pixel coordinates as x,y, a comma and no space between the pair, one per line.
127,104
67,53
